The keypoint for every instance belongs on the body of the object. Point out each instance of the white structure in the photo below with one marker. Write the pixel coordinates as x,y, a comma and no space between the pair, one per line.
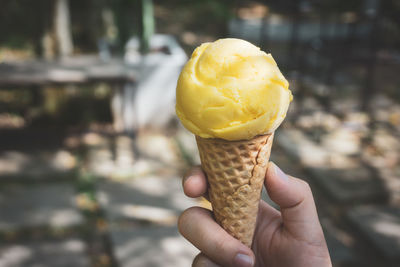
151,100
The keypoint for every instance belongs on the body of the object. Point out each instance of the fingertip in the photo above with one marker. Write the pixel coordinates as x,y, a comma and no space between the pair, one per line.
287,191
195,186
202,261
270,170
283,189
190,215
275,177
194,182
184,220
192,171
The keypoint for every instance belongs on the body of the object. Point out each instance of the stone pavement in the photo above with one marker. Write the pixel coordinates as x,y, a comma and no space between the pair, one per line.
381,226
55,253
142,215
142,208
39,216
38,205
151,246
119,209
36,165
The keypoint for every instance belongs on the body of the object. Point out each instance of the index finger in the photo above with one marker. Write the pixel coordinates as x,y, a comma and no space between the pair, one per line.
194,182
199,228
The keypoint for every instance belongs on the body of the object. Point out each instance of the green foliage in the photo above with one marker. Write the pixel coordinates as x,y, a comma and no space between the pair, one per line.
20,22
332,6
23,22
216,9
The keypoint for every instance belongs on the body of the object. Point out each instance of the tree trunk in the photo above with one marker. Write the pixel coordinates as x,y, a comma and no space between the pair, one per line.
147,25
62,28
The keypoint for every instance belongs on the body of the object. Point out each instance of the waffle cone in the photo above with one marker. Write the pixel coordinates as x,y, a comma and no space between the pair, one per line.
235,172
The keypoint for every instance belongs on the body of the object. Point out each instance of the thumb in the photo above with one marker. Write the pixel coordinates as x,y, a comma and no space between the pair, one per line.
296,202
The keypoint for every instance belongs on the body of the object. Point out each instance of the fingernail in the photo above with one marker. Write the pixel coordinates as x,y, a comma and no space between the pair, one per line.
186,177
243,260
192,172
280,173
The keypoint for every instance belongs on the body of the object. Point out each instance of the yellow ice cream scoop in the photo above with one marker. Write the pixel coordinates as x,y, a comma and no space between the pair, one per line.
230,89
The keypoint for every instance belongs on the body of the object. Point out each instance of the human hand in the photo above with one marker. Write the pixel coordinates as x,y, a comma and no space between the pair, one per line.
290,237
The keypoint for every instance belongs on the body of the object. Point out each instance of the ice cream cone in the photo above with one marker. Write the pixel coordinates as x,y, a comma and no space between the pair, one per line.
235,172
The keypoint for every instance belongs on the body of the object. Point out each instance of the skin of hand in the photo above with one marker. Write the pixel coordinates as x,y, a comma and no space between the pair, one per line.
292,236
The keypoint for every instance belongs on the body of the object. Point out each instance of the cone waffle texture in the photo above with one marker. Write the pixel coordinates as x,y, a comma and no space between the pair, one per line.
235,171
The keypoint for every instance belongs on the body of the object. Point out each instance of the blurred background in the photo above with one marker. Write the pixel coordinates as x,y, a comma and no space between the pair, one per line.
92,155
